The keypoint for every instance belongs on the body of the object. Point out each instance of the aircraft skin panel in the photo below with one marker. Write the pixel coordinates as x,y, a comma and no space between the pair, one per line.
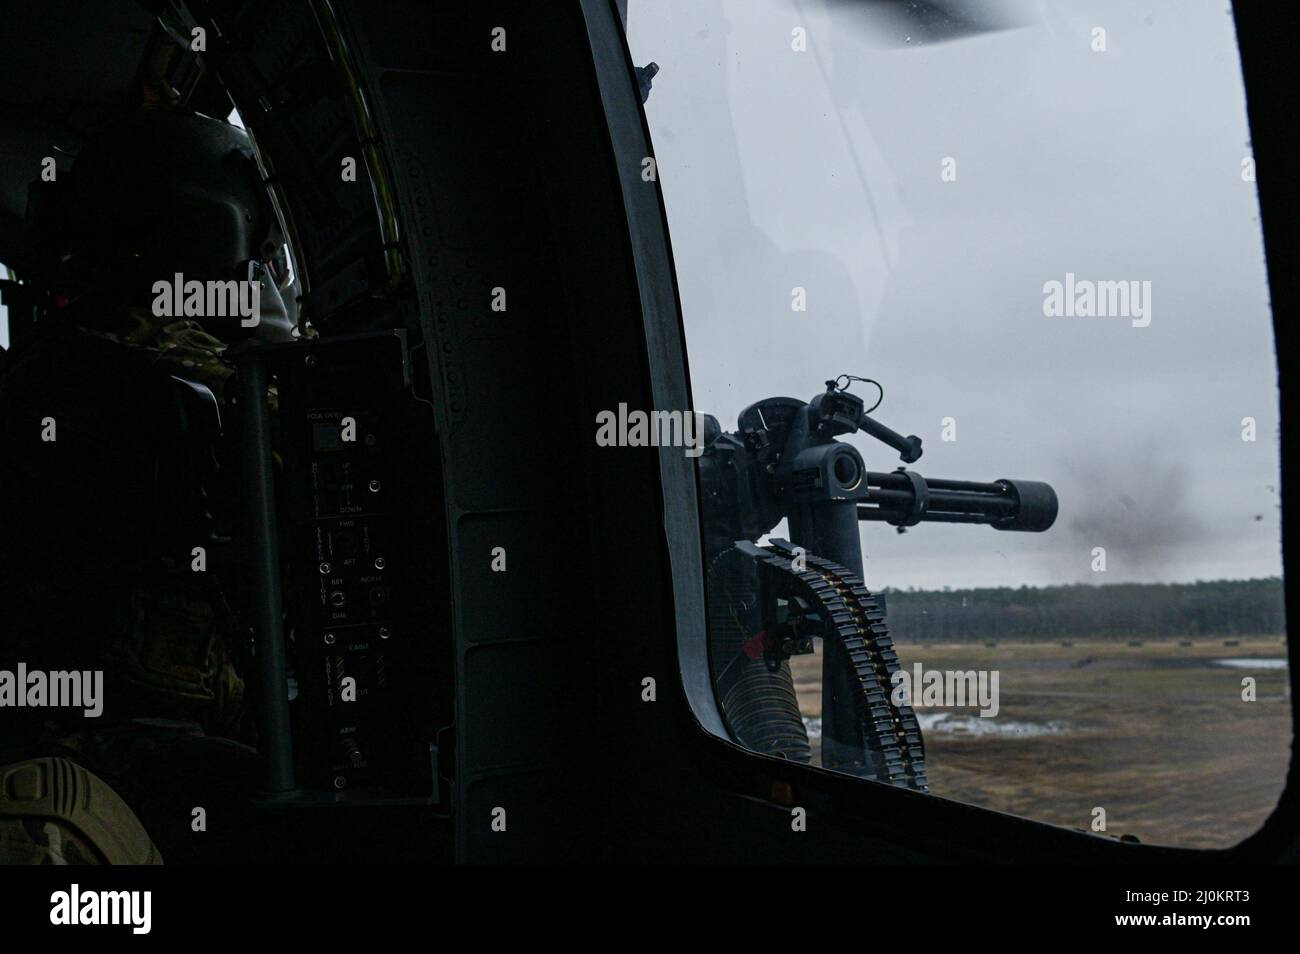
519,202
666,351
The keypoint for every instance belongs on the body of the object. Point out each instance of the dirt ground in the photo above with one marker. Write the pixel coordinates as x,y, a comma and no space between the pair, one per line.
1157,734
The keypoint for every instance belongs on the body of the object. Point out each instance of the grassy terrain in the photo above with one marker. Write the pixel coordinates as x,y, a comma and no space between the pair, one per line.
1157,734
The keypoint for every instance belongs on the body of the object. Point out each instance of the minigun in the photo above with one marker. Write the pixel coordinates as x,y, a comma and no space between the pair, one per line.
784,461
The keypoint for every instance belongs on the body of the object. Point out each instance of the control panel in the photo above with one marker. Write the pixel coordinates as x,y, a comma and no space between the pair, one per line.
340,405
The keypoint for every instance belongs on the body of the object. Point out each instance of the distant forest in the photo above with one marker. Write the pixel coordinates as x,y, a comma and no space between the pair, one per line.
1115,610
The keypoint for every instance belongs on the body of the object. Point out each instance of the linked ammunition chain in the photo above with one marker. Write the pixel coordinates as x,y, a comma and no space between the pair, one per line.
892,746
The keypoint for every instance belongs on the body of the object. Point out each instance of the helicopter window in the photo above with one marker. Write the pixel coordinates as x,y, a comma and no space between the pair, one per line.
4,312
1038,229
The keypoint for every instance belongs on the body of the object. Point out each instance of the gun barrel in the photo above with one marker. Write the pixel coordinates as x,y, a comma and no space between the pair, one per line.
904,498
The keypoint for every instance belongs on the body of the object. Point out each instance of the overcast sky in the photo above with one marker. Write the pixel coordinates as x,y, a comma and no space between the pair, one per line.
822,170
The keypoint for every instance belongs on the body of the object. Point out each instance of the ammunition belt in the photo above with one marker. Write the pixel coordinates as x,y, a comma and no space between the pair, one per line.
892,746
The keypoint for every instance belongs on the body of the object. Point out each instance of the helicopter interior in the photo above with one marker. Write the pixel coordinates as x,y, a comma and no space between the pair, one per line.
433,520
438,382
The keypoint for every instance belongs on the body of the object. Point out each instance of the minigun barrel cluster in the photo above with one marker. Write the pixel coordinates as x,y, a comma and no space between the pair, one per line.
904,498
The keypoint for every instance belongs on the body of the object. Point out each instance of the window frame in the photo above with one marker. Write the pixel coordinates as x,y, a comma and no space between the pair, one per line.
948,829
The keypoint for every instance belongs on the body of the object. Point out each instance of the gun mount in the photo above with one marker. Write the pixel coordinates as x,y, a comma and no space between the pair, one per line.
784,461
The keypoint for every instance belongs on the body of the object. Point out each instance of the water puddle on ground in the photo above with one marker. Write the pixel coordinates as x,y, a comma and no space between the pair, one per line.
948,723
1251,663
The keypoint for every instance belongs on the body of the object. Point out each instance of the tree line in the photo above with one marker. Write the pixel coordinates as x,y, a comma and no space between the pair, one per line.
1115,610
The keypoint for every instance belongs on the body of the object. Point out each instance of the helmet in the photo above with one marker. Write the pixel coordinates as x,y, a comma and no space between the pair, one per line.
54,811
165,193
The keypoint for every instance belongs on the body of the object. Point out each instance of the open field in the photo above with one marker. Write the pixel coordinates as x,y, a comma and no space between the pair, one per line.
1157,733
